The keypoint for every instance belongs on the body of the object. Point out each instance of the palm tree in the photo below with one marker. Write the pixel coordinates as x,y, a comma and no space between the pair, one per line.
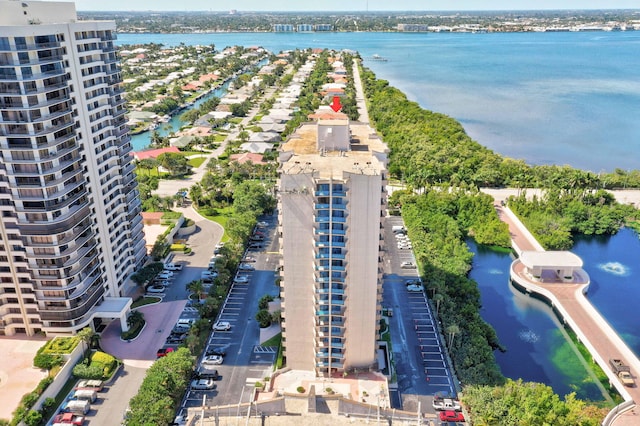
452,330
85,335
437,298
197,287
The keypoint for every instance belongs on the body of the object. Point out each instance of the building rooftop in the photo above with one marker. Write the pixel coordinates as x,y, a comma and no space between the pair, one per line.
366,154
37,12
550,259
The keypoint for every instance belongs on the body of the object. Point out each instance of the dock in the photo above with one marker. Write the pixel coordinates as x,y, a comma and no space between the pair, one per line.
564,285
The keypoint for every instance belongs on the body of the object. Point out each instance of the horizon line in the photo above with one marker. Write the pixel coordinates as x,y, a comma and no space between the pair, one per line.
363,11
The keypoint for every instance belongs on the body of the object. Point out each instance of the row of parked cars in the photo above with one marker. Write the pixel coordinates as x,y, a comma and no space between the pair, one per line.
164,278
78,405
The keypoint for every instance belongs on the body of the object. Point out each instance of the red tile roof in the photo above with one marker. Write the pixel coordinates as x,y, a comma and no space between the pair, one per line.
154,153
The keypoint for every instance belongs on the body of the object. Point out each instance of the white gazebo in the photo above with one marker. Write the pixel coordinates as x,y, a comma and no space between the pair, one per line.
551,265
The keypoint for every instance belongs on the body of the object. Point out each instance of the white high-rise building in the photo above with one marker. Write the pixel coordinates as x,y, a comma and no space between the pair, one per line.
70,229
332,198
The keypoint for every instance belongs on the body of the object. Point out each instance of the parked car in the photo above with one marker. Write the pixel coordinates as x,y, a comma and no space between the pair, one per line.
95,385
212,360
207,373
255,246
173,339
217,248
156,289
241,279
413,281
256,237
451,416
203,384
68,419
248,259
86,394
76,406
215,351
262,224
163,352
165,275
414,288
173,267
222,326
246,267
408,265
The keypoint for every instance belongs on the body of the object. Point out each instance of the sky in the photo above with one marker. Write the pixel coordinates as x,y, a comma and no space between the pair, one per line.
351,5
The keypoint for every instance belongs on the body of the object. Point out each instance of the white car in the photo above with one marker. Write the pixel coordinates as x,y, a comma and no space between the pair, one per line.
222,326
203,384
165,275
246,267
262,224
173,267
248,259
408,265
156,289
414,288
212,360
241,279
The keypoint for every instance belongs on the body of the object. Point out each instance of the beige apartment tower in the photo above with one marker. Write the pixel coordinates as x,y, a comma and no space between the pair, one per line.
332,199
70,228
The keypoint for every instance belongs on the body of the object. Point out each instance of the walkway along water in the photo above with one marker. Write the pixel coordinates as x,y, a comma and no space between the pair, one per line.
566,295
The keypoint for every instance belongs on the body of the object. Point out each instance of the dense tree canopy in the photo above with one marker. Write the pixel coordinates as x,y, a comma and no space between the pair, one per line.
517,403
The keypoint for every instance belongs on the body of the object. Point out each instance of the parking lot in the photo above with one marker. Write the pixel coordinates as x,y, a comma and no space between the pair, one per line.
419,355
245,361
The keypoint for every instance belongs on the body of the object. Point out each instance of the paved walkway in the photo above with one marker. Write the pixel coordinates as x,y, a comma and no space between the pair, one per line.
360,100
602,341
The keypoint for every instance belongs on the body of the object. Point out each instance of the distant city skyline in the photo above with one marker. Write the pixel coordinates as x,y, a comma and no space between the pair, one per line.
356,5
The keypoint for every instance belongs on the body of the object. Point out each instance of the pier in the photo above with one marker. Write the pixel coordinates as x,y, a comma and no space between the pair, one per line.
558,278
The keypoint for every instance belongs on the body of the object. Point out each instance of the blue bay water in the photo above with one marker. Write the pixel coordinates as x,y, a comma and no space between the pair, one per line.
548,98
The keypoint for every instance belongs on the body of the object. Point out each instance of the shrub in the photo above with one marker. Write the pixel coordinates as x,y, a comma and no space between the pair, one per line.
82,371
263,303
178,247
301,389
60,346
264,318
47,361
105,361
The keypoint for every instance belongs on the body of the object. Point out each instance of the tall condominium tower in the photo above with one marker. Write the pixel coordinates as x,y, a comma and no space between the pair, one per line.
331,201
70,229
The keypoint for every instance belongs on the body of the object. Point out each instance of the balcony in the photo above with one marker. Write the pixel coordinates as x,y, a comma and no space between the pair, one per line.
323,219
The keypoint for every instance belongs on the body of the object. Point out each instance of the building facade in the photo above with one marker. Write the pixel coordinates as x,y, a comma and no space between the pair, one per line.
332,199
71,231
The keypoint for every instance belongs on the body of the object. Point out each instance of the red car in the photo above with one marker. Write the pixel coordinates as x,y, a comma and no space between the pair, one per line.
163,352
68,419
451,416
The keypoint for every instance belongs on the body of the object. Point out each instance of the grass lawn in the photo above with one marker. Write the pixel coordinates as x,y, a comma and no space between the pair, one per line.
190,153
235,120
219,137
274,341
196,162
222,217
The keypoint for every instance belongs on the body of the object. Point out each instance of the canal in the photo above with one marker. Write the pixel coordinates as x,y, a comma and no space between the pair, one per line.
143,140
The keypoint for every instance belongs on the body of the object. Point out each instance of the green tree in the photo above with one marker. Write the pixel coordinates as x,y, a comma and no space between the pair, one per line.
264,318
176,164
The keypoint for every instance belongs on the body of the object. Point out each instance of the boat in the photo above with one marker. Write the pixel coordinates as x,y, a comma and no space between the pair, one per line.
377,57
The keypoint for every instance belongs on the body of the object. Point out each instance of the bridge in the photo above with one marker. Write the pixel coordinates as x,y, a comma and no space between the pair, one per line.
559,278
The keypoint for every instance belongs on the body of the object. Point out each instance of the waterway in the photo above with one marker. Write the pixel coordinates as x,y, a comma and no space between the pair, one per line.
142,140
561,98
536,349
548,98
